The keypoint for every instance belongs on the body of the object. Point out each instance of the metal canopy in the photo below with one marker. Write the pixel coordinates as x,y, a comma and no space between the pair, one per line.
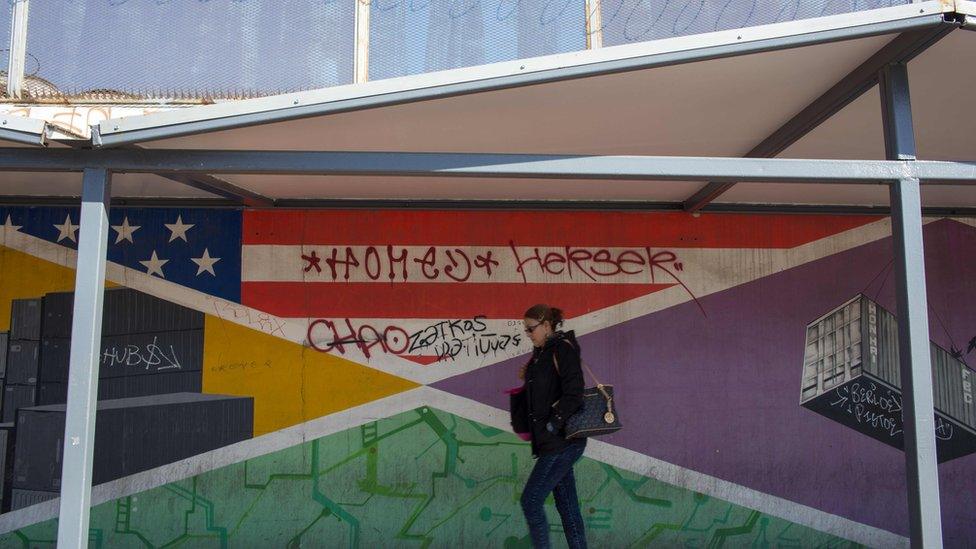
23,131
652,116
943,130
735,88
901,49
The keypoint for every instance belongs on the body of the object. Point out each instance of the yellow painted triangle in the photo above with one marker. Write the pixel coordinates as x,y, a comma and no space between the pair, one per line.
24,276
290,383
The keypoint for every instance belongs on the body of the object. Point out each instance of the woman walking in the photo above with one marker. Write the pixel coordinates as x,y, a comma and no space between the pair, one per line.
554,391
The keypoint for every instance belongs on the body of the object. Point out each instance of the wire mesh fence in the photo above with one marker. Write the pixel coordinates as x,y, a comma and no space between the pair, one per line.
132,50
6,12
626,21
416,36
165,48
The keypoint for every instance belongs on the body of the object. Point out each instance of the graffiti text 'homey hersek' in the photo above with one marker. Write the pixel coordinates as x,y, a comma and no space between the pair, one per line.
499,264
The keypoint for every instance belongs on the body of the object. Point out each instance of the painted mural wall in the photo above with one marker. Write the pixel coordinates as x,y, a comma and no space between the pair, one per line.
336,378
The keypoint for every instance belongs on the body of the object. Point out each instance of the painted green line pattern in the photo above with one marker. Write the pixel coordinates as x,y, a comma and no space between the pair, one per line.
424,478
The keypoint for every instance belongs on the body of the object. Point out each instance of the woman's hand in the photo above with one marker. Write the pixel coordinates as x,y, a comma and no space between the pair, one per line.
521,373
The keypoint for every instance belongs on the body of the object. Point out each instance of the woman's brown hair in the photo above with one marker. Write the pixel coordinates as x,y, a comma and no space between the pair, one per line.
544,313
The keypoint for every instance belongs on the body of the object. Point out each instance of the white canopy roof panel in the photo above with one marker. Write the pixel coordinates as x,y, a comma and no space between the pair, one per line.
718,94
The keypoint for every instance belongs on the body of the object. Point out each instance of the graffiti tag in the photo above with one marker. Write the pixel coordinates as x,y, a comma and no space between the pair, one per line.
146,357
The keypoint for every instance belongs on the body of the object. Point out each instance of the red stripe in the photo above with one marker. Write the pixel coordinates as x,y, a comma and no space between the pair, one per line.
423,360
592,229
431,300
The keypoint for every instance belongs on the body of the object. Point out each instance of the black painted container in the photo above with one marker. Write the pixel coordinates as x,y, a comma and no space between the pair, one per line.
16,397
23,361
852,374
25,319
140,354
127,387
131,435
125,311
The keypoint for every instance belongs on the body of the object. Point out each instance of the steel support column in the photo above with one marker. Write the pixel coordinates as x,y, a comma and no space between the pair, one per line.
18,48
361,56
921,464
86,336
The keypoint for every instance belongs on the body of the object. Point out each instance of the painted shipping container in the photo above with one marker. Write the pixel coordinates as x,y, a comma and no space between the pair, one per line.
157,429
128,355
6,463
127,387
23,360
16,397
125,311
851,374
25,498
4,340
25,319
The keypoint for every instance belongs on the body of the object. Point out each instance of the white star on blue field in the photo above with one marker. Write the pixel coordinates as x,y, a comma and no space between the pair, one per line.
194,247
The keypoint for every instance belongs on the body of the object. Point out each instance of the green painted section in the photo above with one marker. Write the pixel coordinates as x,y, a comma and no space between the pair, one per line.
424,478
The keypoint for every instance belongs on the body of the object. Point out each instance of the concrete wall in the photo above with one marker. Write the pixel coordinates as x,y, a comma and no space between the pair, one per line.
374,348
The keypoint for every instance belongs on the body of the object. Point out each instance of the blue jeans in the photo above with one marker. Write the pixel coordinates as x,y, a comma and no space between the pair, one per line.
554,473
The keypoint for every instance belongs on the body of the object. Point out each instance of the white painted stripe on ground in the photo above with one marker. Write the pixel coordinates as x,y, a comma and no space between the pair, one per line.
470,409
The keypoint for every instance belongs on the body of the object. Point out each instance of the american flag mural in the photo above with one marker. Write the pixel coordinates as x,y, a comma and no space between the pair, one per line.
446,286
340,375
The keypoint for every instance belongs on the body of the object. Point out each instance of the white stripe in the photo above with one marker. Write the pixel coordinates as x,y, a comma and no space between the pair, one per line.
706,271
676,475
453,264
227,455
622,458
290,329
720,272
967,220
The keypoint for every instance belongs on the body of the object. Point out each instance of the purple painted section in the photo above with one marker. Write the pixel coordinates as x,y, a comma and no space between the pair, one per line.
720,394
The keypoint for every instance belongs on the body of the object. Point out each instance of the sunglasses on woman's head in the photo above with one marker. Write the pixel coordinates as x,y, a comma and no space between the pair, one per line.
530,329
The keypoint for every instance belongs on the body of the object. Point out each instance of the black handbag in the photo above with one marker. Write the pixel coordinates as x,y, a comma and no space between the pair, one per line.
598,415
518,406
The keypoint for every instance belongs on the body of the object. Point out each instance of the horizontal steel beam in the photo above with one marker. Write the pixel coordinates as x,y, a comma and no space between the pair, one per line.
122,202
486,204
213,185
393,164
935,172
901,49
398,164
19,129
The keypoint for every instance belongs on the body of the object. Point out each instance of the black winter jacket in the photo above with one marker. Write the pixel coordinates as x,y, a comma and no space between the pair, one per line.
553,395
